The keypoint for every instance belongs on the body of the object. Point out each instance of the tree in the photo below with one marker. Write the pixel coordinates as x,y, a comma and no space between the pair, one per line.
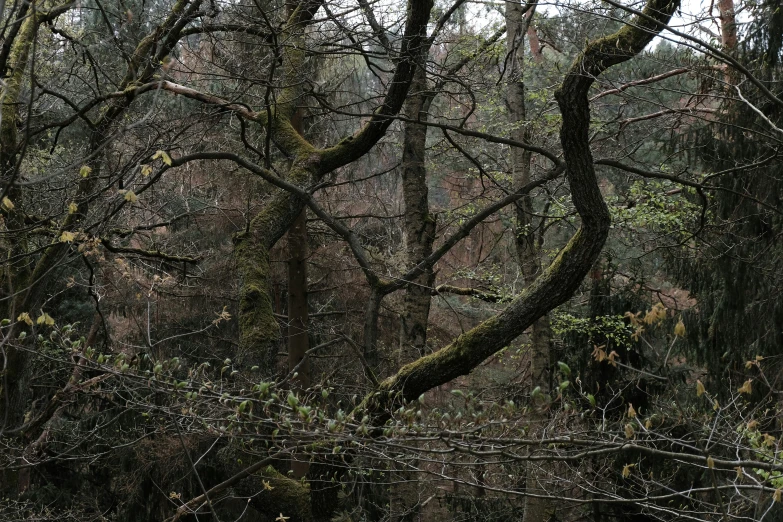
153,156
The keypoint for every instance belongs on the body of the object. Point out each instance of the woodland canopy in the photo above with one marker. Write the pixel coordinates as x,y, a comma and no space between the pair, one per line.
386,260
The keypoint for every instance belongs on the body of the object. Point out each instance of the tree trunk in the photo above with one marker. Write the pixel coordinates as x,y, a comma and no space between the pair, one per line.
728,25
298,317
298,312
535,43
257,327
728,37
419,230
419,225
527,248
528,255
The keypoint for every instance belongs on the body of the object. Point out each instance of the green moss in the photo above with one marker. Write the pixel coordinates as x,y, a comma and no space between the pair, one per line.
288,496
17,63
431,370
270,492
288,139
293,61
628,40
258,329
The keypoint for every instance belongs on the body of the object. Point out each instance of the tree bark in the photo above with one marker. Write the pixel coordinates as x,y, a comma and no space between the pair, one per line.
419,224
535,43
527,248
298,313
728,37
526,245
419,233
728,25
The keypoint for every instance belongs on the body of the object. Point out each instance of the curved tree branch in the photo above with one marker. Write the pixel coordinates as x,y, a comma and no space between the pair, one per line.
562,278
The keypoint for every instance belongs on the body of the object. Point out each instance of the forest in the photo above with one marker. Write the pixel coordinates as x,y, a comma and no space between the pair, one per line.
391,260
